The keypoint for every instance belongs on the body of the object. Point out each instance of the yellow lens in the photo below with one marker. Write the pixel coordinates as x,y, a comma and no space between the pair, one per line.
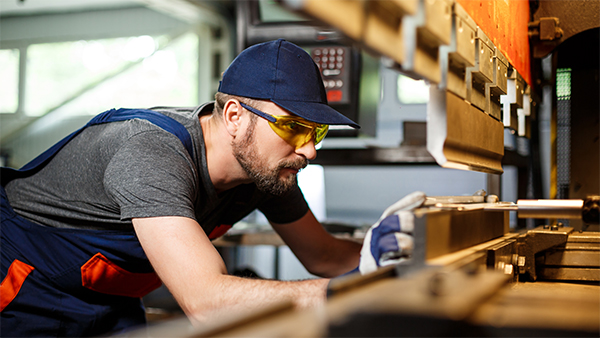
320,133
298,132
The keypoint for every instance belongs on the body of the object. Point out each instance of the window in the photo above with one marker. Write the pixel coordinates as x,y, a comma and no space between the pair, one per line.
87,77
57,72
9,80
412,91
168,77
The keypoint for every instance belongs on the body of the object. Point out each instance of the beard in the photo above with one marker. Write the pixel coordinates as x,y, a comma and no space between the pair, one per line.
266,179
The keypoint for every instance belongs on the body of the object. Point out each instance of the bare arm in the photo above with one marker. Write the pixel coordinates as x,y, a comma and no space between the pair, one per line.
321,253
192,269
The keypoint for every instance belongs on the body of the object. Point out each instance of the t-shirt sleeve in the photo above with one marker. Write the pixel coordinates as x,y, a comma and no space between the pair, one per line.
152,175
286,208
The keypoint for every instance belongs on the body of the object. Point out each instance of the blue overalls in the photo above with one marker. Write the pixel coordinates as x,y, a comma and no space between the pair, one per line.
73,282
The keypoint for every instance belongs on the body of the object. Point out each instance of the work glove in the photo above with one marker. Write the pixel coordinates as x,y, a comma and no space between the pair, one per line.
390,240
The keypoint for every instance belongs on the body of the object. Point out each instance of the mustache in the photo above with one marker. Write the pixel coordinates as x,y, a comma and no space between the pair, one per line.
298,164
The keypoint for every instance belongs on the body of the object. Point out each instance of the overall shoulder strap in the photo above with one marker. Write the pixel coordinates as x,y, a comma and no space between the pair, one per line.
114,115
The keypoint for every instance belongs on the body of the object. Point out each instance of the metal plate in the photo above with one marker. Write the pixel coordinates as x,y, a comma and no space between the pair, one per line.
461,136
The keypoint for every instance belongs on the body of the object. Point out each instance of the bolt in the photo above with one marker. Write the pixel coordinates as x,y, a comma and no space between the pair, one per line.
554,227
546,226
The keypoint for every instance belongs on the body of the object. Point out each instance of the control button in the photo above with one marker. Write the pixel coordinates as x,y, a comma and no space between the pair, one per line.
325,59
325,51
331,72
339,83
334,95
317,52
340,51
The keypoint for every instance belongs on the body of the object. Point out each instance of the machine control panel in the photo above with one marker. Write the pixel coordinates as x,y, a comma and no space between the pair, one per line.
334,64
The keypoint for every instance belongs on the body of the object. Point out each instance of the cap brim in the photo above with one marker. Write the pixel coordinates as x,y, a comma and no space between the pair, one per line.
316,112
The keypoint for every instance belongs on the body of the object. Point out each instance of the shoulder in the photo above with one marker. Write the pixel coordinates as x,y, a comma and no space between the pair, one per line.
185,115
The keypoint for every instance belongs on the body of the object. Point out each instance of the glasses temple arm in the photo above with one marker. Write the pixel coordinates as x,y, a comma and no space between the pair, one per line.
259,113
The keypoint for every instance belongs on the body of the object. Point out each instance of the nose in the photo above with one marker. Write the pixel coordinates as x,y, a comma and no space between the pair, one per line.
308,150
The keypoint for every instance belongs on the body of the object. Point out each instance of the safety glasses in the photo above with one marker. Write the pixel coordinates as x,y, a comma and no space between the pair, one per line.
296,131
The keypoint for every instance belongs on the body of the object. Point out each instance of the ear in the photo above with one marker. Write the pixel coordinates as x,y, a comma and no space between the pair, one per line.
232,113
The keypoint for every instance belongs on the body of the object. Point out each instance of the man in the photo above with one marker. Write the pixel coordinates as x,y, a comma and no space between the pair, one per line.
135,197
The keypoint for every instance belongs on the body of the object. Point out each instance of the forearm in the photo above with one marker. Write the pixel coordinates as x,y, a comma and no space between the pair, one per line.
193,271
320,252
340,257
226,294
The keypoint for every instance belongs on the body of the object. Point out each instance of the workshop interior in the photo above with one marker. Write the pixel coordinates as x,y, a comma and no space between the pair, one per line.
489,107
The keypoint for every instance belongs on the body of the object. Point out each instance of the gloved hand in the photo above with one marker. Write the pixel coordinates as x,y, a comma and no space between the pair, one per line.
389,241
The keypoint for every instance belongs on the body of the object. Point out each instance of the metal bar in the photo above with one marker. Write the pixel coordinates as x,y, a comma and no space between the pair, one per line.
550,208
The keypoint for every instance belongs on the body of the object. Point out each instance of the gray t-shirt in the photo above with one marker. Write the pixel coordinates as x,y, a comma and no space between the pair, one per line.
114,172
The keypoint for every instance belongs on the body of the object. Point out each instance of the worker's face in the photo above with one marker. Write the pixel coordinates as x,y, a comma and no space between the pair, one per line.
269,160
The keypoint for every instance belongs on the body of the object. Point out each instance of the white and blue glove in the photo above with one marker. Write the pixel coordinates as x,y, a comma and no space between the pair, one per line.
390,240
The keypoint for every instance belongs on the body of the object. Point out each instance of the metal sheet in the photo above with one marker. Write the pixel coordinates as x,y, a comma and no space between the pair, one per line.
461,136
448,231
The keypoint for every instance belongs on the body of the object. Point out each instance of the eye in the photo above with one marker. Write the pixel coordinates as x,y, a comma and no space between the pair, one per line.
292,125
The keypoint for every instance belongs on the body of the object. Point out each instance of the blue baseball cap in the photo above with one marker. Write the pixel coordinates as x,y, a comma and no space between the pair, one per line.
286,75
